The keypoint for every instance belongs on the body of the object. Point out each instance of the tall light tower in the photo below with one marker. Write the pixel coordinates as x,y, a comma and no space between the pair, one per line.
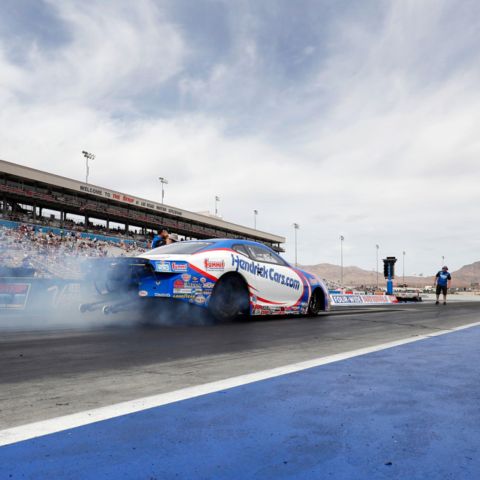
443,260
296,226
163,181
403,268
377,246
255,213
88,156
217,199
342,238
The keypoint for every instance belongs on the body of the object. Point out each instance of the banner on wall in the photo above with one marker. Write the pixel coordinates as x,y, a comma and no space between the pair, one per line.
36,294
14,296
356,299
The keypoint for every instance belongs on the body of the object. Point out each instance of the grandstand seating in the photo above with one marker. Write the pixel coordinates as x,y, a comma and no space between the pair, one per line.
54,252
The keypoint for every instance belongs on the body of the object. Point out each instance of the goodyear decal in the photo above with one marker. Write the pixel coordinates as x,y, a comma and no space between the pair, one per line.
264,272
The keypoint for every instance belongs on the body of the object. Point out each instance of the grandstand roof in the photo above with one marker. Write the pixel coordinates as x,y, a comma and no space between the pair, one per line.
81,188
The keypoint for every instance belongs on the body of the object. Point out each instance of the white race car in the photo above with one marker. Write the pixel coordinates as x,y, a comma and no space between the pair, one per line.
229,277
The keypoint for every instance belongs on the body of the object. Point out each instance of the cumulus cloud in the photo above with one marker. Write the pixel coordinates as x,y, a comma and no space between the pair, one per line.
347,120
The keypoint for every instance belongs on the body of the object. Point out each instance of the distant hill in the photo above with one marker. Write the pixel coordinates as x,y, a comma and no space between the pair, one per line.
356,277
468,274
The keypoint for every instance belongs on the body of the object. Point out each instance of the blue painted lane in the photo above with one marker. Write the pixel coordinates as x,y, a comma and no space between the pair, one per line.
407,412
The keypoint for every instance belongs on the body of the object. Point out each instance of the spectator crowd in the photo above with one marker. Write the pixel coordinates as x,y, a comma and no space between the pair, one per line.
53,254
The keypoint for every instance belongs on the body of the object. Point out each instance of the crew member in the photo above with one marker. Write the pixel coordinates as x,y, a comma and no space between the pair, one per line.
161,239
443,280
172,238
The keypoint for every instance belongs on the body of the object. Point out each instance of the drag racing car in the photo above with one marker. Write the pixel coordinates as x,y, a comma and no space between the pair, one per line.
230,278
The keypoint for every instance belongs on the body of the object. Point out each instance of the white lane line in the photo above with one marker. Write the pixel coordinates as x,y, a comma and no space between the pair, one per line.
46,427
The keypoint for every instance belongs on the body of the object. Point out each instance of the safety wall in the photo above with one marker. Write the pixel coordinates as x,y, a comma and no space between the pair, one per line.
23,294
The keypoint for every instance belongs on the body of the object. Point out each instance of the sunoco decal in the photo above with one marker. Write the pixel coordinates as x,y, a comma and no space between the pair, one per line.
264,272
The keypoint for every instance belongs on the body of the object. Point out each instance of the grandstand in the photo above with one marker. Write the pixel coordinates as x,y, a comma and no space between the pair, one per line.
32,251
26,193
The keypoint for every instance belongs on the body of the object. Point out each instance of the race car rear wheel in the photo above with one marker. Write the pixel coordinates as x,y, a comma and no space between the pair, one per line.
317,302
230,298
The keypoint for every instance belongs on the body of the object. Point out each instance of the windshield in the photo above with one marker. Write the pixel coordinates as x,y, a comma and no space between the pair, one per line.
185,248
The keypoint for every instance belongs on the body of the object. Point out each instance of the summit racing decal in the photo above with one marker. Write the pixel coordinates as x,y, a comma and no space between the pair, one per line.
264,272
179,267
214,264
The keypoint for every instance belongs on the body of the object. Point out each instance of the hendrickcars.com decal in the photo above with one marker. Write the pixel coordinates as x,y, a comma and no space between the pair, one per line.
264,272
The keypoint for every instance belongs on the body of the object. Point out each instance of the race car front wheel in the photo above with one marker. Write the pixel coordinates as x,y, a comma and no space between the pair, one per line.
230,298
317,302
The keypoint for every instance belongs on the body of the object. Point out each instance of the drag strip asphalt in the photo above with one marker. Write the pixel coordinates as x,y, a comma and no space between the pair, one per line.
53,373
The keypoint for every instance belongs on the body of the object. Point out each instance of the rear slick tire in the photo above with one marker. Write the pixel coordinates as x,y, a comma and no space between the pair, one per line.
230,299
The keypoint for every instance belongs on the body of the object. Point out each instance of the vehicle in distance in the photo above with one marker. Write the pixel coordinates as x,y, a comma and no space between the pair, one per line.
229,277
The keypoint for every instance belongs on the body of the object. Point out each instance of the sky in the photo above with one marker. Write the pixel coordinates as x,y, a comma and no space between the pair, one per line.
349,118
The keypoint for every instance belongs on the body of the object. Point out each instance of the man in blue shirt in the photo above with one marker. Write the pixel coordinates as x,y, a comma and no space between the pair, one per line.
442,280
160,240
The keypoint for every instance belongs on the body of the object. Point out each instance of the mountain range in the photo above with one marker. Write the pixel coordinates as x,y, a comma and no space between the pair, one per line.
356,277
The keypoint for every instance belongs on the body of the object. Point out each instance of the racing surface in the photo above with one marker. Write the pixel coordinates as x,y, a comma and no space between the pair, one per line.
47,374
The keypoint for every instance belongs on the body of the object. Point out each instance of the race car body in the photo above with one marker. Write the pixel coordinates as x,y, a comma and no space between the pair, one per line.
229,277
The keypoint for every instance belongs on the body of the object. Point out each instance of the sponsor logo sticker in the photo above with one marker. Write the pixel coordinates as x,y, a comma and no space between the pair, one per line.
200,299
179,267
214,264
162,266
263,271
142,293
186,277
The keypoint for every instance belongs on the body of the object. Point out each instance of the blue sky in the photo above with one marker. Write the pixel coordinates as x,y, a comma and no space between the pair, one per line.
352,118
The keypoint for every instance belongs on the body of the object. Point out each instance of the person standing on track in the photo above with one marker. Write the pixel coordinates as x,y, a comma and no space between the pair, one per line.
443,280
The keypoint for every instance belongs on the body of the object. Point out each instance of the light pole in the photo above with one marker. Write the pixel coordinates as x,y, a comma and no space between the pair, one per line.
403,269
163,181
217,199
443,260
255,213
296,226
377,246
342,238
88,156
